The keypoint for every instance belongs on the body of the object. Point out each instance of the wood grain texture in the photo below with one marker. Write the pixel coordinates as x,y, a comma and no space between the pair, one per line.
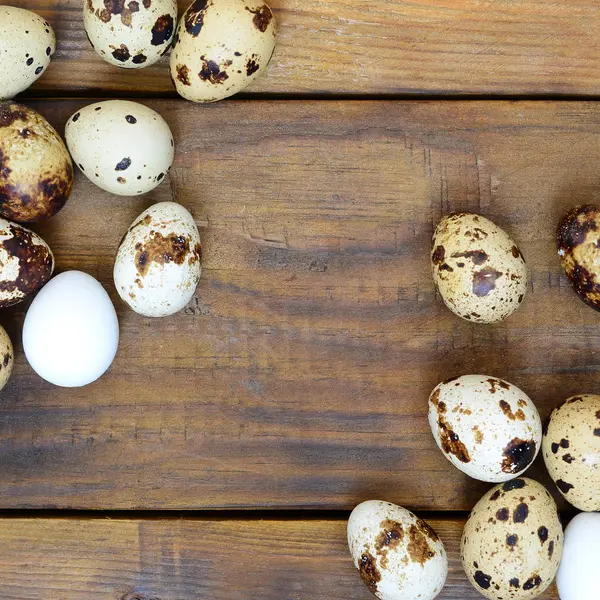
299,375
193,559
380,47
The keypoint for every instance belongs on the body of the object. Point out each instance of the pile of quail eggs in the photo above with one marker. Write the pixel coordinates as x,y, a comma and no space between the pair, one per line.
513,544
513,541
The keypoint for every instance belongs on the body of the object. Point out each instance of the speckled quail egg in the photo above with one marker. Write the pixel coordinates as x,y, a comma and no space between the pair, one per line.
220,47
26,263
578,240
512,542
477,268
123,147
577,577
27,44
130,33
398,555
36,172
158,264
571,450
486,427
7,358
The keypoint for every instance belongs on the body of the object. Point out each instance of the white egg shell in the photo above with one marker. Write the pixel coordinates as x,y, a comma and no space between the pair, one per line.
486,427
123,147
26,263
7,358
512,542
71,332
398,555
27,44
221,46
577,577
571,450
158,264
133,33
477,268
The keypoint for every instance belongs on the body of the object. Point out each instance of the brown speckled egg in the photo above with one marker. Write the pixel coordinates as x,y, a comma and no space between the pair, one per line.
571,450
398,555
486,427
158,264
7,357
26,263
477,268
221,46
578,240
512,542
27,44
36,172
133,33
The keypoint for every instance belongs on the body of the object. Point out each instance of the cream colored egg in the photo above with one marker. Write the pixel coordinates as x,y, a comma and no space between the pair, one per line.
133,33
123,147
36,172
158,264
398,555
26,263
221,46
7,358
477,268
512,542
27,44
571,450
486,427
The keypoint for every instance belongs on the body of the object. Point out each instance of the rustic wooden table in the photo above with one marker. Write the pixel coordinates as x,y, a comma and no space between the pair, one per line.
219,457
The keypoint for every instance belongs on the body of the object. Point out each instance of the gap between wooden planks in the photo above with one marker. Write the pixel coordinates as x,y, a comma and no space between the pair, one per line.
381,47
129,559
299,375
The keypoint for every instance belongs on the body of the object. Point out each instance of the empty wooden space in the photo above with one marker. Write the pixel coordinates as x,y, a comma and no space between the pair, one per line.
380,47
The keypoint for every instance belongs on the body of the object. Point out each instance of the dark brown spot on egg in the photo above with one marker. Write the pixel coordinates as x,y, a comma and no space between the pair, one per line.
521,513
162,30
533,582
478,434
75,117
518,455
418,545
161,250
5,171
497,383
511,540
147,3
183,74
438,256
482,580
121,180
29,62
543,534
212,72
551,549
564,443
514,582
484,281
139,59
134,6
131,119
251,67
123,164
495,495
514,484
516,252
194,16
568,458
563,486
6,359
262,17
597,431
507,410
368,571
554,447
122,53
389,538
478,257
503,513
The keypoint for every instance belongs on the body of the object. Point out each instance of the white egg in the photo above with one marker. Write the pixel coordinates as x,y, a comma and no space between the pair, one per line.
123,147
131,34
71,332
398,555
27,44
577,577
486,427
158,264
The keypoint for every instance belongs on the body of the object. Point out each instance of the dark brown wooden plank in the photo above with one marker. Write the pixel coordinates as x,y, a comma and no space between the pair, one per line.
382,47
299,376
187,559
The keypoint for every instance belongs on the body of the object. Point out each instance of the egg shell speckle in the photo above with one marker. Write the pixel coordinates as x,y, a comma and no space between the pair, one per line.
7,358
158,265
512,542
36,172
486,427
26,263
131,34
123,147
27,45
571,450
221,46
398,555
578,241
477,268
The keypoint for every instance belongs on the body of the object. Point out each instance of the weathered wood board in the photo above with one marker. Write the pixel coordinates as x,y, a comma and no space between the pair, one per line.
381,47
67,559
299,375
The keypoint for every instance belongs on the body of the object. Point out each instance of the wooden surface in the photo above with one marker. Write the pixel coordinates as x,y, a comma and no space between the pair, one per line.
197,559
377,47
299,375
